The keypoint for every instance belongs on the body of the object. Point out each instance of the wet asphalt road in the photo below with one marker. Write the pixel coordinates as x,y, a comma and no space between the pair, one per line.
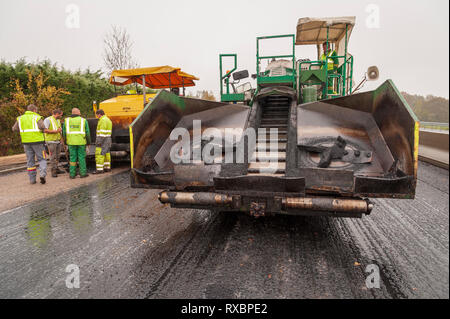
127,245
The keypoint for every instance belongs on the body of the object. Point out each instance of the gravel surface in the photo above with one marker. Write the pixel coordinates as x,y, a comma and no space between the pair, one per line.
16,190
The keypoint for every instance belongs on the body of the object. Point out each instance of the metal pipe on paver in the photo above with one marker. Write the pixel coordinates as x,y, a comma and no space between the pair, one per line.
328,204
302,203
200,198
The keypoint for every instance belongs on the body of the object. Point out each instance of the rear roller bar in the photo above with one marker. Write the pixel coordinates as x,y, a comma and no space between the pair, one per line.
200,198
324,204
328,204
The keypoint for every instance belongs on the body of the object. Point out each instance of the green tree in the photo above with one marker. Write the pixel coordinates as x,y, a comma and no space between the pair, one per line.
429,108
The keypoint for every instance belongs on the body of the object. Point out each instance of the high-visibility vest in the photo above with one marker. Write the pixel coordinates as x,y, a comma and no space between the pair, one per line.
323,57
28,127
104,127
75,132
54,125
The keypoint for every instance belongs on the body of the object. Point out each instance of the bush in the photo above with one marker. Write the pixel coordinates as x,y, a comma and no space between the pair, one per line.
49,87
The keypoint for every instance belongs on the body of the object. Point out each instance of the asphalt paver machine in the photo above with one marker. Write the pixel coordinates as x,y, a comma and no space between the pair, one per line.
301,142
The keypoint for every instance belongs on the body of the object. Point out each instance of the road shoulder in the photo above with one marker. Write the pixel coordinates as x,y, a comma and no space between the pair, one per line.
15,189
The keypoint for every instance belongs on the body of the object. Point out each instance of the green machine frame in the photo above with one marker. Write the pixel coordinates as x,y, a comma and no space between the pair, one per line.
227,96
296,77
263,78
323,76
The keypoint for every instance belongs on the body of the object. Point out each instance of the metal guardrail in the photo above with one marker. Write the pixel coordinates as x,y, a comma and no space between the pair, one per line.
434,125
22,165
433,147
8,169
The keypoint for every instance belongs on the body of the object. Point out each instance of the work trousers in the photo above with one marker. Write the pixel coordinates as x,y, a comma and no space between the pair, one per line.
55,152
38,151
77,153
102,153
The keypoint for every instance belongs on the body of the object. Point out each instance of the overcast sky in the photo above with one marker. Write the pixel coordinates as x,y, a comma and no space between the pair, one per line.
409,45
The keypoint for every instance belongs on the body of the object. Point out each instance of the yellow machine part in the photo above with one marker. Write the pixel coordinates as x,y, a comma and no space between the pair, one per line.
123,109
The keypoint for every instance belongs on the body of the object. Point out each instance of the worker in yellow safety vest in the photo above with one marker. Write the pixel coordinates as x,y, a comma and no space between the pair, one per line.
54,140
31,128
77,135
103,143
329,56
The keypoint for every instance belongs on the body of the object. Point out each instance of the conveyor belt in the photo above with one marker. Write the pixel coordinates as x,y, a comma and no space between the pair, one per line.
274,116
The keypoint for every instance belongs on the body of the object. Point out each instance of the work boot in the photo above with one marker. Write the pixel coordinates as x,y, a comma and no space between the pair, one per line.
83,176
107,170
97,172
42,180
